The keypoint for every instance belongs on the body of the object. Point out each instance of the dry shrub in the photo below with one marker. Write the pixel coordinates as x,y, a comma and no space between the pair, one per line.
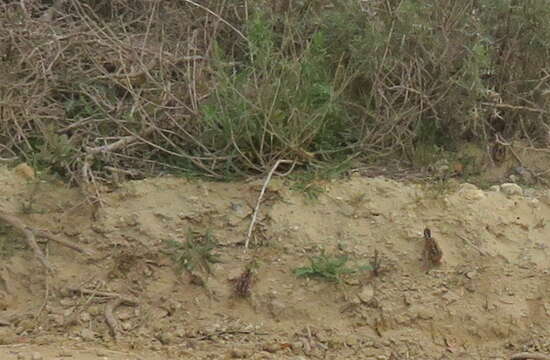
94,88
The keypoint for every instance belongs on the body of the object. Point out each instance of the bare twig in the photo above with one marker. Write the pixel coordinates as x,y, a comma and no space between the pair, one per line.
528,355
126,300
257,208
469,242
110,318
68,244
513,107
218,17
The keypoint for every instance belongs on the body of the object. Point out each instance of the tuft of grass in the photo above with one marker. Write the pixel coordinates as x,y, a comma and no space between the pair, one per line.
306,183
310,181
330,268
196,253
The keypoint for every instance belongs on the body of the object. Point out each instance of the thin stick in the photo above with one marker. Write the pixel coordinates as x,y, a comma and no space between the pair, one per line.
110,318
70,245
125,300
526,355
472,245
46,295
257,209
218,17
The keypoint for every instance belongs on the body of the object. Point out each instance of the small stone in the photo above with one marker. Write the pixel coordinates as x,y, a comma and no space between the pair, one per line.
21,356
85,316
124,314
165,339
353,282
66,302
87,334
271,348
470,192
100,352
277,307
95,310
366,294
239,354
64,354
495,188
511,189
534,203
471,274
36,356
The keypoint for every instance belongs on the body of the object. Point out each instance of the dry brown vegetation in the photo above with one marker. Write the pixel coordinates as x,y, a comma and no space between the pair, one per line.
96,90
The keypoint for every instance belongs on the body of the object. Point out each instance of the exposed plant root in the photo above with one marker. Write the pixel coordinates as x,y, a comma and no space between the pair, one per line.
115,301
68,244
110,318
103,294
30,239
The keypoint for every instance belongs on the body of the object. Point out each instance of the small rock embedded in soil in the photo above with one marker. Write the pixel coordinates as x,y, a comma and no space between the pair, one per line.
239,354
85,317
470,192
366,295
36,356
511,189
271,348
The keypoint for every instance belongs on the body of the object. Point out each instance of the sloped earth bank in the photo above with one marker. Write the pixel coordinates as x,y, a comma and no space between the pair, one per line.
489,299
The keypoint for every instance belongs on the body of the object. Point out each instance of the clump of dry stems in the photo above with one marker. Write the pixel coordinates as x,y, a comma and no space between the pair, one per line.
95,91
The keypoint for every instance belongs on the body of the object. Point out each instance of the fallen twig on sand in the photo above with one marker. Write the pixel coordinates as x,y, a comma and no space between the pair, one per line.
469,242
68,244
110,318
116,301
532,356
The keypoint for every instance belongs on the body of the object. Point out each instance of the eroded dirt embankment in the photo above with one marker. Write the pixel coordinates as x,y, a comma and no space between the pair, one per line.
489,297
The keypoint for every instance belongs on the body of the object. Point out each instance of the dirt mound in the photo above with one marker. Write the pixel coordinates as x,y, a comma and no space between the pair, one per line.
489,297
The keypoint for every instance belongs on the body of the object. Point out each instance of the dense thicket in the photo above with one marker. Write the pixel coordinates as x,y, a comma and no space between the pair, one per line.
224,88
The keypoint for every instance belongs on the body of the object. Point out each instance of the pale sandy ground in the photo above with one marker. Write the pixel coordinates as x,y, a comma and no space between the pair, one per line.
489,298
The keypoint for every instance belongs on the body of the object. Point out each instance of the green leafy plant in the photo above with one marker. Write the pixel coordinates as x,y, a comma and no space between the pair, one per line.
196,253
330,268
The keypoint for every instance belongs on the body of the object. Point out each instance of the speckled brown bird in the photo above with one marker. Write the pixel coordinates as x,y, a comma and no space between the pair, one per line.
433,255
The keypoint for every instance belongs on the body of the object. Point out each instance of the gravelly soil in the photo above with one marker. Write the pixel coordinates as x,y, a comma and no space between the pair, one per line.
488,299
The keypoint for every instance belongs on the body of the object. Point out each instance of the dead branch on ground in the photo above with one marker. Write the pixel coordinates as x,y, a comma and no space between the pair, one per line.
115,301
30,238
